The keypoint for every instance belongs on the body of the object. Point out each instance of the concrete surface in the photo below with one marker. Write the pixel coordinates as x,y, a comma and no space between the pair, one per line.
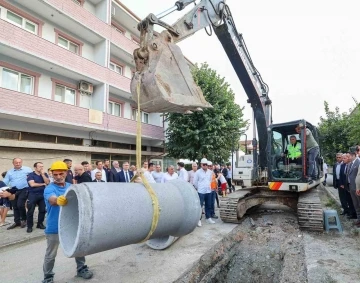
130,264
19,235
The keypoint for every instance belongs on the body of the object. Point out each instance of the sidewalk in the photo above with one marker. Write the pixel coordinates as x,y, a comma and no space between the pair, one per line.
18,235
333,193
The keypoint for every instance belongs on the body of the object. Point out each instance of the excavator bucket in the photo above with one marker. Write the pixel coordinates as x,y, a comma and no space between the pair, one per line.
166,83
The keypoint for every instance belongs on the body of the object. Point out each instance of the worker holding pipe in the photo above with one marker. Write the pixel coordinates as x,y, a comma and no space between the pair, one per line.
54,198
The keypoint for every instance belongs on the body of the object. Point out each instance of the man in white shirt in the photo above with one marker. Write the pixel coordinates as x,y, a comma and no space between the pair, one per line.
99,168
169,175
157,174
192,173
202,182
183,174
149,177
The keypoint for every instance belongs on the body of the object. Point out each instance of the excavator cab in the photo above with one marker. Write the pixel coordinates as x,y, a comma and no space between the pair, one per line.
166,82
288,155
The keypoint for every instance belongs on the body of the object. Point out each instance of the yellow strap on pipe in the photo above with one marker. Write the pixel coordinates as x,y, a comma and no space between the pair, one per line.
154,199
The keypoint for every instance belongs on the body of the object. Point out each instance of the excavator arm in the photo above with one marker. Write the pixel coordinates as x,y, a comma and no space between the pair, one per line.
166,83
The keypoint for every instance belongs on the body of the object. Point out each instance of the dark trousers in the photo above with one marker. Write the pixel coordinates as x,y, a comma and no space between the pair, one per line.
214,196
33,200
343,200
206,198
231,188
19,205
356,201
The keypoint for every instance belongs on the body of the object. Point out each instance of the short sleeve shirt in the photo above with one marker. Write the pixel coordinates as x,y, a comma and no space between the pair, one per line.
53,211
37,179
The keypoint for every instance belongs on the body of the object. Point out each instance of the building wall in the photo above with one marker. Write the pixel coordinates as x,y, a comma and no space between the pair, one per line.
40,54
30,156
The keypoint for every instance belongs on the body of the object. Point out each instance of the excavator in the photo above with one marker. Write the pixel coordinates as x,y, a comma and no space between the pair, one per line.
163,83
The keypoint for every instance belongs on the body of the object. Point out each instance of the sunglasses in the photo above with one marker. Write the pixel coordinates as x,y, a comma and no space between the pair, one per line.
204,165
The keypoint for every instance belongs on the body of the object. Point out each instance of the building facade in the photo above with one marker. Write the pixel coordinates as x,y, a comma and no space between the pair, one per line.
65,72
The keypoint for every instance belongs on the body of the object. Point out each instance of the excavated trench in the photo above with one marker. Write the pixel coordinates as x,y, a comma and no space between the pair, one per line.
268,247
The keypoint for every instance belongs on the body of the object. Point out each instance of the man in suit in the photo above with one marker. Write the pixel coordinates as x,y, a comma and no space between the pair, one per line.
81,175
98,177
125,175
338,170
115,169
351,176
343,186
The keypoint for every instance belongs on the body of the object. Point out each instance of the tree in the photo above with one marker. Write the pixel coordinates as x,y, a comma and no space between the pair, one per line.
211,133
335,133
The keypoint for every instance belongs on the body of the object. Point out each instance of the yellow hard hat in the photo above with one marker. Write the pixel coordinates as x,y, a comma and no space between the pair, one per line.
59,165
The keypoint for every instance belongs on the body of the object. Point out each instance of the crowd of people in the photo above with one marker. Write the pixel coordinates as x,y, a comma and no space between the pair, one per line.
23,188
346,179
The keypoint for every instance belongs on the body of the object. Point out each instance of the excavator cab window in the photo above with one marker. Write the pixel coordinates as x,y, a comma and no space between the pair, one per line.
286,154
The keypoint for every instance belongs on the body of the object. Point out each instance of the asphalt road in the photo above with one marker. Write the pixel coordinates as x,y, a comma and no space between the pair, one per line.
131,264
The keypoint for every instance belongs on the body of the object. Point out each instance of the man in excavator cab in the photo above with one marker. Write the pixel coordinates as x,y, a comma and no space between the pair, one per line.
312,150
292,153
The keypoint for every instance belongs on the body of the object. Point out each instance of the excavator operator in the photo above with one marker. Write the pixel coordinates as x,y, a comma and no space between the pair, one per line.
293,151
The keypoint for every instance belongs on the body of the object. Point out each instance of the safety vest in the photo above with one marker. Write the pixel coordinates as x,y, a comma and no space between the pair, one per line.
294,151
214,183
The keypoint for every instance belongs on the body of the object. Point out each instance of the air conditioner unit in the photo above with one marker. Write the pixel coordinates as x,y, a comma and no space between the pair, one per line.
86,87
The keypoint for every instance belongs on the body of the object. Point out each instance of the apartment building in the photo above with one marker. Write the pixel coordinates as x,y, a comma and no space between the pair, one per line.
65,72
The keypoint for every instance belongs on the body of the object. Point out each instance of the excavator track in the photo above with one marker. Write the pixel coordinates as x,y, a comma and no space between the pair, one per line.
307,204
310,211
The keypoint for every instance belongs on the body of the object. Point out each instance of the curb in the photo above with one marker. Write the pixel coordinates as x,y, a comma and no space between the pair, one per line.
33,239
330,193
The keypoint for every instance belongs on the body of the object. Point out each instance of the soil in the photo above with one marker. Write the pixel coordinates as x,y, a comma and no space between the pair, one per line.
269,247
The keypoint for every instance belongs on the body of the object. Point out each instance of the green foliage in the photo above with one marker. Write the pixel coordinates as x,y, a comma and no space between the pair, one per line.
335,134
211,133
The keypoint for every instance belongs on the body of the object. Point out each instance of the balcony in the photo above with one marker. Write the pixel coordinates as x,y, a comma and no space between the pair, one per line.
29,108
118,124
32,49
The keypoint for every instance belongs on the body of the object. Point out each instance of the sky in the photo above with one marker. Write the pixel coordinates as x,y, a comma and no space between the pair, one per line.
306,51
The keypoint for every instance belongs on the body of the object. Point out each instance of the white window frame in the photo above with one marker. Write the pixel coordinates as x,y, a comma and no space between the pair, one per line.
113,109
142,114
63,99
19,80
88,96
3,15
113,67
68,45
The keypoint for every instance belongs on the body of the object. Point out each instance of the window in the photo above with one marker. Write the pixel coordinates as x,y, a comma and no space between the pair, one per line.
116,68
68,45
144,116
65,94
135,39
21,22
85,100
114,109
16,81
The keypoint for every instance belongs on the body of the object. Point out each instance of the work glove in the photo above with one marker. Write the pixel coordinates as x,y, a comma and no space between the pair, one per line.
61,201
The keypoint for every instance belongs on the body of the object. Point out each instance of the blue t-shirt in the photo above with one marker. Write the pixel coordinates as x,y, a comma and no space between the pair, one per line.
38,179
53,210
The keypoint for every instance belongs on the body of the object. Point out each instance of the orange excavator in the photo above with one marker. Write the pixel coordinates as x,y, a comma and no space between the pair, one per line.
164,80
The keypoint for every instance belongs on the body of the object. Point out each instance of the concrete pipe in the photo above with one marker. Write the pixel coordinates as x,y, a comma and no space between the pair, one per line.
104,216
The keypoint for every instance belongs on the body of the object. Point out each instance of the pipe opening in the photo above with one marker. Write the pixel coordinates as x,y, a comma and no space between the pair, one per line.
69,223
161,243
